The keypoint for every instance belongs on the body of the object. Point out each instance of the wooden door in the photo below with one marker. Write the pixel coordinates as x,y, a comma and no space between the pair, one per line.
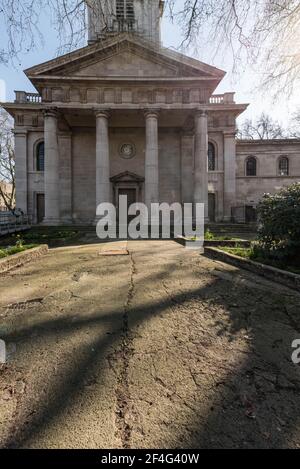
40,207
212,207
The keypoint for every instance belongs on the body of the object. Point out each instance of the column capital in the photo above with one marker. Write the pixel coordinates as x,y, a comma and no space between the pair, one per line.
229,133
148,113
51,112
102,113
200,113
20,132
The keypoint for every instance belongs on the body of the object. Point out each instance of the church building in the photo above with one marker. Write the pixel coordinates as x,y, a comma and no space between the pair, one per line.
126,116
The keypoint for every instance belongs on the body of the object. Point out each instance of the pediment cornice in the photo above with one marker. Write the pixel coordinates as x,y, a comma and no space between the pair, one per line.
177,64
127,176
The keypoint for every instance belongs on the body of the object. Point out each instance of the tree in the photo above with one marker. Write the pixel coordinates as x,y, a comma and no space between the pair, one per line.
295,125
279,232
7,159
264,128
265,33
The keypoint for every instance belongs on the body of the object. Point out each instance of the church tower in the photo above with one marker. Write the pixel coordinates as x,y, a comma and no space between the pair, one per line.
107,18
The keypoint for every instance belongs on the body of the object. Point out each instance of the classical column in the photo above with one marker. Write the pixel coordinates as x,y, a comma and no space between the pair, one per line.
151,158
201,165
65,174
187,163
229,174
21,170
52,186
103,191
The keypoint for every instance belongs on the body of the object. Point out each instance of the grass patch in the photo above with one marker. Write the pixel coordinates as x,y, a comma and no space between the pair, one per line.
209,236
51,235
11,250
249,253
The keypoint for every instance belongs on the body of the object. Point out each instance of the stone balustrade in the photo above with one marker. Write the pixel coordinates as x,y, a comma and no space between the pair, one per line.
24,97
226,98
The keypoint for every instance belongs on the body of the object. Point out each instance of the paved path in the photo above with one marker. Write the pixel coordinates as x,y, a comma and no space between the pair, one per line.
160,348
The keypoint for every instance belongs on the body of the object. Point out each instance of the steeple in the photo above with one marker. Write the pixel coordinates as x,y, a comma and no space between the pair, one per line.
111,17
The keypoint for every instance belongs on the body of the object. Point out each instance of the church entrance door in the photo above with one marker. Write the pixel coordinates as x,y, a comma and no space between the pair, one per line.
131,195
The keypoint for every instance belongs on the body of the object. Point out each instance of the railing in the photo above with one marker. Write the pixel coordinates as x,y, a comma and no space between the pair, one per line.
13,222
226,98
23,97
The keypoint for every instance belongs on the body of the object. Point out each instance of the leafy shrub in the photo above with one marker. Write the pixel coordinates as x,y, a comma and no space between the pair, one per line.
10,250
209,236
279,231
44,235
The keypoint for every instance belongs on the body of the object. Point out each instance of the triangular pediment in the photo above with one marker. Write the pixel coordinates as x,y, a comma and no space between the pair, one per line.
127,64
127,176
124,56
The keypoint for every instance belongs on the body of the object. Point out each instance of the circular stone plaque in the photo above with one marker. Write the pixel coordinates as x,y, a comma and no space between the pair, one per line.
127,151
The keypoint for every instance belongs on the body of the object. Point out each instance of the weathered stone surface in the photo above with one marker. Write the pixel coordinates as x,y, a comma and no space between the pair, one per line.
22,258
284,277
159,349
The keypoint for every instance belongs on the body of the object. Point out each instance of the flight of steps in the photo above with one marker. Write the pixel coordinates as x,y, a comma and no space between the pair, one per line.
243,231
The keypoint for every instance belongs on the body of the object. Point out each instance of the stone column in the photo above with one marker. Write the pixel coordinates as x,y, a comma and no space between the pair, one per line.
187,164
201,165
103,191
52,186
65,174
151,159
229,174
21,170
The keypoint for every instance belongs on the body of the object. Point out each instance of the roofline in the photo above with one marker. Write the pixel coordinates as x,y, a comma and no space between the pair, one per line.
90,49
267,141
115,78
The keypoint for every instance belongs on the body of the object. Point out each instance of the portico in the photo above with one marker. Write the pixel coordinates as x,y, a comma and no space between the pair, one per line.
124,107
105,127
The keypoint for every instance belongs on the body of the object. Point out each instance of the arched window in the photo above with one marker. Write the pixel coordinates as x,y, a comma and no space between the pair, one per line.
40,157
251,166
283,166
211,157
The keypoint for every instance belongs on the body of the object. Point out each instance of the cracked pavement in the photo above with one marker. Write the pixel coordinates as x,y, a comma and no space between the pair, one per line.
161,348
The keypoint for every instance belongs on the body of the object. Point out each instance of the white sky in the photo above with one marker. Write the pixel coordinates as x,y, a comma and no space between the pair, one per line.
244,84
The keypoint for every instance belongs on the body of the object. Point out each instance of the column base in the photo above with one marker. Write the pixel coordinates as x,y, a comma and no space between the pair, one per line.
67,221
51,222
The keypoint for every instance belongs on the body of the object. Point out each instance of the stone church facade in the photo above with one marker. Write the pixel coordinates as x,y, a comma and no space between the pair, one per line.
125,116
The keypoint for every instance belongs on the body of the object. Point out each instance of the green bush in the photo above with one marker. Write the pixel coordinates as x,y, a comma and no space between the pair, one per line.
10,250
279,231
209,236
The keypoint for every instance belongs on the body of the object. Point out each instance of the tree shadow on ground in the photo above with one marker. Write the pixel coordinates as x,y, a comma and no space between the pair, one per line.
257,405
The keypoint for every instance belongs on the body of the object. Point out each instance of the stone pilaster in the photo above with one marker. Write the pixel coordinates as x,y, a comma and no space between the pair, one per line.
103,188
229,174
151,158
201,165
21,170
52,186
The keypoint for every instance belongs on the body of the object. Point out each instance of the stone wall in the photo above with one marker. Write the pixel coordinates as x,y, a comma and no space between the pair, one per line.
250,189
83,174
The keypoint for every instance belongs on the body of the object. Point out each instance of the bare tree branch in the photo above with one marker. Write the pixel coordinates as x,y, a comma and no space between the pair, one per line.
260,33
264,128
7,160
